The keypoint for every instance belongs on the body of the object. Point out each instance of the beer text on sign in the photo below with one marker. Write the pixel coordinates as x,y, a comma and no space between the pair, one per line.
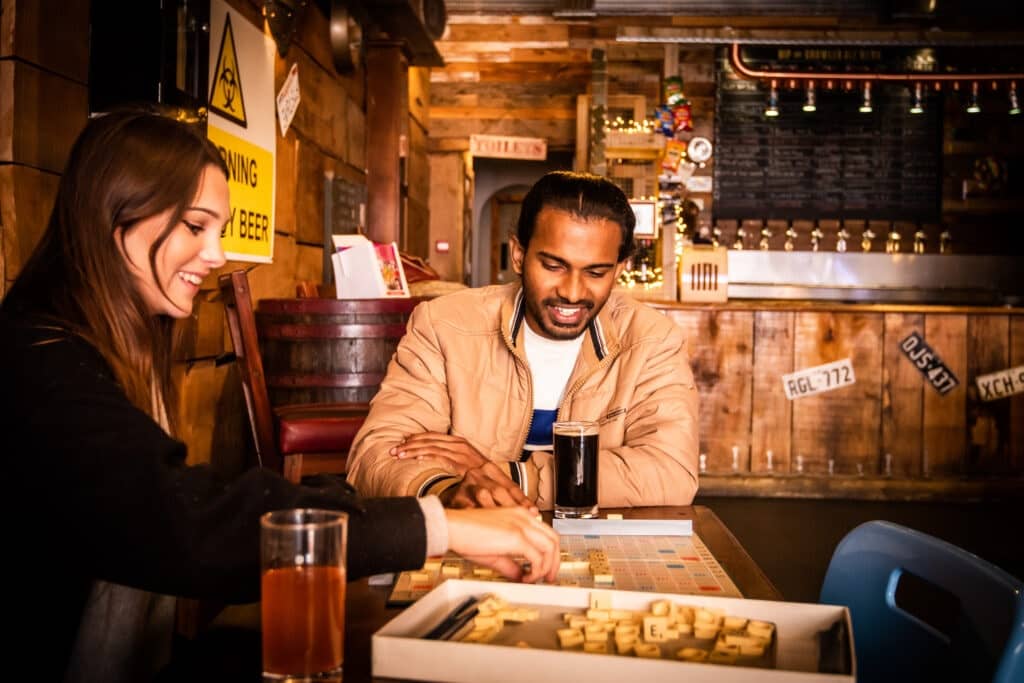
248,166
819,378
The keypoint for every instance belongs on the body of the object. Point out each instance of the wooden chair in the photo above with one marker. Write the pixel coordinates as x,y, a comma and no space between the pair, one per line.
295,440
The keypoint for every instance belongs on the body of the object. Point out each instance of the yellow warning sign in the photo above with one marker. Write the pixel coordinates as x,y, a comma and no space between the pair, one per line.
226,96
249,234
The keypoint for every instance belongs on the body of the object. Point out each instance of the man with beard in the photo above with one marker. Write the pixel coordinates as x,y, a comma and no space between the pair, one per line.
467,406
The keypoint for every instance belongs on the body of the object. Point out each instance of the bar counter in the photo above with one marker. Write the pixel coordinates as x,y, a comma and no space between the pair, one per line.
889,435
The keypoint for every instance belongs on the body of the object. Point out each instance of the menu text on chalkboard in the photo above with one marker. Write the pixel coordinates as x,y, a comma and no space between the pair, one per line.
835,162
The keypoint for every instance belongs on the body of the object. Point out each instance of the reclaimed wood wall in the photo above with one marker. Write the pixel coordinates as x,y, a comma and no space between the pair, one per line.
739,353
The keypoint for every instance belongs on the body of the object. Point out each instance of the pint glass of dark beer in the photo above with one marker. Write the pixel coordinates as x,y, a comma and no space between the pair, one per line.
575,469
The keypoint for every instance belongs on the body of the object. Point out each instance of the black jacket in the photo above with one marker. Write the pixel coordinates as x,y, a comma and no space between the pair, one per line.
97,490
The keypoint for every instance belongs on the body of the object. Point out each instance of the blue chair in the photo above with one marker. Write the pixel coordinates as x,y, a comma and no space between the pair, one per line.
1011,666
924,609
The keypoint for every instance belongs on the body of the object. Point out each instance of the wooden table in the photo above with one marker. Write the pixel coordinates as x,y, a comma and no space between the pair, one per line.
233,654
365,611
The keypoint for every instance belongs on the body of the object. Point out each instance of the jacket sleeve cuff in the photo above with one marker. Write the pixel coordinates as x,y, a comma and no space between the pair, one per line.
435,485
525,475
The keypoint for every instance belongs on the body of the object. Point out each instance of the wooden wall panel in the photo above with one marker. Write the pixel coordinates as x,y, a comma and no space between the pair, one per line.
559,133
1017,402
309,194
322,115
988,422
945,424
26,199
42,118
203,334
29,31
844,424
419,94
417,170
772,413
721,354
507,30
356,157
417,228
902,398
445,209
523,95
212,416
313,41
286,184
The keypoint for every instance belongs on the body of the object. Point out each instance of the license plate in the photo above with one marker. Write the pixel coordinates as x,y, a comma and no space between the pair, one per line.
818,379
996,385
928,362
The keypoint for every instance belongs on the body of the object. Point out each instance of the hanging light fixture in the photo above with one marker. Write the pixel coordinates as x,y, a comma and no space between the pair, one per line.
917,105
772,110
972,103
810,101
1014,104
865,105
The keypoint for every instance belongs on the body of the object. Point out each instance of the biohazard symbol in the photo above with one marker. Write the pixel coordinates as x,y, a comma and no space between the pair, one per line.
226,96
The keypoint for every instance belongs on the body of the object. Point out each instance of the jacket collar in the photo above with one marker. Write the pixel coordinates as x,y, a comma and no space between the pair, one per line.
602,335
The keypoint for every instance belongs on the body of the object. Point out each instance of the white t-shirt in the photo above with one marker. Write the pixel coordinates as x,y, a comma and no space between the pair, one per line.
551,362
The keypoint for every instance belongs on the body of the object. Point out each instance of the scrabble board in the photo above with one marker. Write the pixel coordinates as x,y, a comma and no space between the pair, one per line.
660,564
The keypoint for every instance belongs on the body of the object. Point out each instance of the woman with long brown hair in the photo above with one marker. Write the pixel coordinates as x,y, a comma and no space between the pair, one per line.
100,495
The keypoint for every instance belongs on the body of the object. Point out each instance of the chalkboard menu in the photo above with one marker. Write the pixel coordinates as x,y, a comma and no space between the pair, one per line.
836,162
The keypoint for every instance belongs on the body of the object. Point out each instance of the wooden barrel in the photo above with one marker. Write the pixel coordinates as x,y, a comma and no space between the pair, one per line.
328,350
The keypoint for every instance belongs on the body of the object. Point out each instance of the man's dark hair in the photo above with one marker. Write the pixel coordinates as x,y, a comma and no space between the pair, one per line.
582,195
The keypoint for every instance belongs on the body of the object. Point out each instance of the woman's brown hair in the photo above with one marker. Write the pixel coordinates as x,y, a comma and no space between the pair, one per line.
125,166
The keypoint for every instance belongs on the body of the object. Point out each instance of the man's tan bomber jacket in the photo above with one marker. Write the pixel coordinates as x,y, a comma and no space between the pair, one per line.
460,369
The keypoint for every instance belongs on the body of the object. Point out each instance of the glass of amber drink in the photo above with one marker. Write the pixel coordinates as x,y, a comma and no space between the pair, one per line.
302,558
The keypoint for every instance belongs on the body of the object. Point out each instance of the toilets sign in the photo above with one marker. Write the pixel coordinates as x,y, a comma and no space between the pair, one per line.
242,126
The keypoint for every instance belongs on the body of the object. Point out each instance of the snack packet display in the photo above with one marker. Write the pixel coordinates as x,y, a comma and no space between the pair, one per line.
682,117
665,120
673,88
675,152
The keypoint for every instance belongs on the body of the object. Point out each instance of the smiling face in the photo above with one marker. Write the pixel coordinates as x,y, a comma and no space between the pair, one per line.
568,271
192,248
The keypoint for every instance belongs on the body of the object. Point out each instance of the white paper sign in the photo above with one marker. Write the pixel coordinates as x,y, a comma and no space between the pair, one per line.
1001,384
810,381
699,183
288,99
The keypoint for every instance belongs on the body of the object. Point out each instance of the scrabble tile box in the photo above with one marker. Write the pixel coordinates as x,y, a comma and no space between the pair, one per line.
400,652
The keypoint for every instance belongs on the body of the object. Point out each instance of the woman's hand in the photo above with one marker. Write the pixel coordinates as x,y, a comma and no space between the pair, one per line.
504,539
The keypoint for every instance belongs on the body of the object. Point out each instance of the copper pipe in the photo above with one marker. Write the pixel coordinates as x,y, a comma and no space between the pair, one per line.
737,63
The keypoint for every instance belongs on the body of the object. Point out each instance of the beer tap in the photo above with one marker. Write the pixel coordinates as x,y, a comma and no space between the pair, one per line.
738,243
865,239
790,236
919,238
892,245
816,236
766,234
945,242
841,238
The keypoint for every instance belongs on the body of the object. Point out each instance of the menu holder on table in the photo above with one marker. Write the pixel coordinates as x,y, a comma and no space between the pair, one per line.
367,270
